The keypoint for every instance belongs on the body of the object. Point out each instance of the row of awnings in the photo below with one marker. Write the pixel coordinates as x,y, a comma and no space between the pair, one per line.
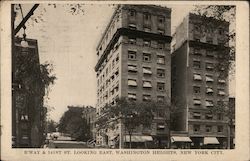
198,77
145,138
198,102
133,68
206,140
146,84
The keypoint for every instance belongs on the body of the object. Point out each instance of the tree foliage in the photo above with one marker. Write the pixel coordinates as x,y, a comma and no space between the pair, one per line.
222,13
133,114
74,124
51,126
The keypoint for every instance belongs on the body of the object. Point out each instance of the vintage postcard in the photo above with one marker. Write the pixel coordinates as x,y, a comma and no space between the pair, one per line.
125,80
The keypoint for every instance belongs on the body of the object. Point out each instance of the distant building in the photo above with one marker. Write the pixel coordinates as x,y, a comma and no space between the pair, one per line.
134,61
89,113
197,85
28,113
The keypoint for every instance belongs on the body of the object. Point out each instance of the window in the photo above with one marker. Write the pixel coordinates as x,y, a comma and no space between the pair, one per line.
197,77
219,128
161,45
221,31
132,40
132,13
209,91
132,68
160,126
209,116
161,86
221,92
196,64
197,51
208,128
210,53
132,55
146,70
132,82
196,89
196,128
132,26
147,29
117,58
161,73
146,17
147,84
146,43
196,115
219,116
221,81
146,97
146,57
160,98
131,96
209,66
160,31
160,59
113,63
161,19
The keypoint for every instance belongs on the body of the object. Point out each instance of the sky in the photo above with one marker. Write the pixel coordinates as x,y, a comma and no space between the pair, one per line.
69,43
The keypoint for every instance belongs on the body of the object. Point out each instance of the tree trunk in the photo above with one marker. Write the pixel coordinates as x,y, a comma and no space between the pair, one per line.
130,140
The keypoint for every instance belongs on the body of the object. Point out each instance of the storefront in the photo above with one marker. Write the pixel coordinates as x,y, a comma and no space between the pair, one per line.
180,142
138,141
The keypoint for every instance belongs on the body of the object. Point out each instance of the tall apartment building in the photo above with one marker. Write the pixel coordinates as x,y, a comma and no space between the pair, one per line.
134,62
197,83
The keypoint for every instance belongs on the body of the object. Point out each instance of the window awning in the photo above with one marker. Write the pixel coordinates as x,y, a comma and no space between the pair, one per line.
161,126
221,81
138,138
197,77
197,102
146,71
180,139
210,90
209,79
132,25
147,84
209,104
132,83
196,114
132,68
221,93
211,140
132,96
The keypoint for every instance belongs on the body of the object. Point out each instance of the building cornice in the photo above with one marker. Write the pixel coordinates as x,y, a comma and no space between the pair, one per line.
134,33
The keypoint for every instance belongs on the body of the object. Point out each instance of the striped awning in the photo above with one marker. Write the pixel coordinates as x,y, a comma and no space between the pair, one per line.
147,84
209,79
132,83
197,77
138,138
210,140
180,139
146,71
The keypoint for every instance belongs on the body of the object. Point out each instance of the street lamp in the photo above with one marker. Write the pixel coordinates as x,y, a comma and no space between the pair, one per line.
24,42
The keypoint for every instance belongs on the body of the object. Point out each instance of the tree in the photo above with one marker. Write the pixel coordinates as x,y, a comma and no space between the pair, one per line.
131,114
223,14
51,126
74,124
